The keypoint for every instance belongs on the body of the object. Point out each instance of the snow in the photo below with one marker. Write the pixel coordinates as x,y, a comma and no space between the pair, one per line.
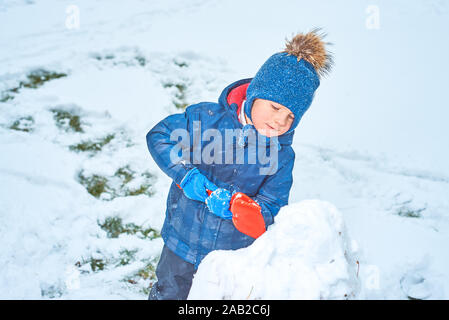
373,146
304,255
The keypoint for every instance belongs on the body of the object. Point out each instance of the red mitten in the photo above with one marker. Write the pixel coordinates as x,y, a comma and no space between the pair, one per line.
246,215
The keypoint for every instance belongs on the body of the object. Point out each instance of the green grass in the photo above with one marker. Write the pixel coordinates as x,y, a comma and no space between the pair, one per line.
118,184
180,64
114,227
66,120
108,56
38,77
140,279
410,213
126,256
97,264
130,61
4,96
143,189
180,99
23,124
137,279
146,273
125,173
96,185
180,96
90,146
35,79
52,291
141,60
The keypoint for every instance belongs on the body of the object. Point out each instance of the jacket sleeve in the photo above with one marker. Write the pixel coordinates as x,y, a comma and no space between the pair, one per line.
275,191
160,146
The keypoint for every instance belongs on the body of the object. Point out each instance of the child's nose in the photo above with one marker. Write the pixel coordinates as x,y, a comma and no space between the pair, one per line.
281,120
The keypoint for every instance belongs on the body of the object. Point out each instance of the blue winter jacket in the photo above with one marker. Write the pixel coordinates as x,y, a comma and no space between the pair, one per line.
190,229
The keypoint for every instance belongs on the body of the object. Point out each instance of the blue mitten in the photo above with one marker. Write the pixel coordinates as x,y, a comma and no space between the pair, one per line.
194,185
218,203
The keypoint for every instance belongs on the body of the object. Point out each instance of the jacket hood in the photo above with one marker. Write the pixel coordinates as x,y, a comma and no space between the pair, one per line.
231,99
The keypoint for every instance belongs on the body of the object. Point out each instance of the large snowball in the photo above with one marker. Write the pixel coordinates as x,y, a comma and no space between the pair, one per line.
305,254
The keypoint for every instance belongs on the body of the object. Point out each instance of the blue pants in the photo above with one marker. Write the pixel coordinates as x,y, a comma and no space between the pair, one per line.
174,277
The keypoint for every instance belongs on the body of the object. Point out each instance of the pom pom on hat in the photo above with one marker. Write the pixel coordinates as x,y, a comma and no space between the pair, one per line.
311,47
290,77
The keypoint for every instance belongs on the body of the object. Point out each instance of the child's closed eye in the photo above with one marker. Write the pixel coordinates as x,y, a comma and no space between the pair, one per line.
291,116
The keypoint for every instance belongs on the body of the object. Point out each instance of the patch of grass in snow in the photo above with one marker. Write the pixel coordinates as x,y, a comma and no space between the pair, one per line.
114,227
179,95
107,56
125,173
52,291
92,147
95,184
121,184
23,124
138,279
143,275
35,79
410,213
141,60
125,58
38,77
149,271
96,264
126,256
179,88
4,96
67,120
180,64
99,264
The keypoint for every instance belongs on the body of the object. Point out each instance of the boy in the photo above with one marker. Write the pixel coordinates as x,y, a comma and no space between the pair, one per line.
199,216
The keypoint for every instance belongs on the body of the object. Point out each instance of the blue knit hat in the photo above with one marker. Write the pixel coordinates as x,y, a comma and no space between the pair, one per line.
291,77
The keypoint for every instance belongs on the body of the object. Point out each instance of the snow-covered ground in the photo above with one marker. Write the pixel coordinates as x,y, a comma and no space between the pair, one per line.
81,200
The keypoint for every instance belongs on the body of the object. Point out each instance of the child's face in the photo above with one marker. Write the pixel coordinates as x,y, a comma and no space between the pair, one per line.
270,118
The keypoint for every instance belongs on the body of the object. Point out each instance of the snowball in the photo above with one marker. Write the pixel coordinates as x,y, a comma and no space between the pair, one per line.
305,254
